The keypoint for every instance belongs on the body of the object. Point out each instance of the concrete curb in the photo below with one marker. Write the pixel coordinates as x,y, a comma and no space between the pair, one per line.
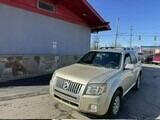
23,95
79,116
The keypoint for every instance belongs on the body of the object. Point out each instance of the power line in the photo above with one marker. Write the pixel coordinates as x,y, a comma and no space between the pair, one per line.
127,35
140,36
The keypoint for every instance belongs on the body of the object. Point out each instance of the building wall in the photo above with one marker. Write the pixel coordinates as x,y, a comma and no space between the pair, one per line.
17,67
61,12
24,32
33,44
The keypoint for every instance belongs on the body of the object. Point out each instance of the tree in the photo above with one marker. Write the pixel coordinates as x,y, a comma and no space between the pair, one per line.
95,42
113,45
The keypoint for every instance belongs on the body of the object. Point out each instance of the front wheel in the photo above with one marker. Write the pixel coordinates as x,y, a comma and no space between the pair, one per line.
115,105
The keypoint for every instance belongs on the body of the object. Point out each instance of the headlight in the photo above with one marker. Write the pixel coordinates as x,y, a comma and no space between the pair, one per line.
95,89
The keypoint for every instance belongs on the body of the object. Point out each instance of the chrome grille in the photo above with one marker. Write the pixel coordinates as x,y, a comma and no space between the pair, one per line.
68,85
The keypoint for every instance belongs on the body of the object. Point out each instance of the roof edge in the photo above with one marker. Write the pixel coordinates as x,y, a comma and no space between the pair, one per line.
105,25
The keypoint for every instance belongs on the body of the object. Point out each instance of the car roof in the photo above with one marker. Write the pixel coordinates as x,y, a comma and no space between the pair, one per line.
109,50
116,50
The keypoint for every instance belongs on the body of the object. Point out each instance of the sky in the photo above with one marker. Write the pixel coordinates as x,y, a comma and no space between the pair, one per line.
143,15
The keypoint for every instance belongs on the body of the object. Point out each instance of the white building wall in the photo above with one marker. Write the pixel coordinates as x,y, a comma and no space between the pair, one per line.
24,32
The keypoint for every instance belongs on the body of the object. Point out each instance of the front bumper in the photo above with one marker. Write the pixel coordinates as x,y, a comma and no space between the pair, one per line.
97,105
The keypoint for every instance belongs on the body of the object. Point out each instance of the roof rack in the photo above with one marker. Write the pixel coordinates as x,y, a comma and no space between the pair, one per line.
121,48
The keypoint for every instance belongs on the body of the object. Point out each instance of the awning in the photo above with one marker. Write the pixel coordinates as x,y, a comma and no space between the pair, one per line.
84,10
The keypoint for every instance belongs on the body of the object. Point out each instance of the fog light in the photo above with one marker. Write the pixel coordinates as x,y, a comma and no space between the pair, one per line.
93,108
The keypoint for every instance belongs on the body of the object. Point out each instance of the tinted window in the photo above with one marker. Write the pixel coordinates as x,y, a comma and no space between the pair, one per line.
134,58
127,60
102,59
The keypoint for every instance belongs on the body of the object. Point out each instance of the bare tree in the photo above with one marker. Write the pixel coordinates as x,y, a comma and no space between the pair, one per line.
95,42
117,45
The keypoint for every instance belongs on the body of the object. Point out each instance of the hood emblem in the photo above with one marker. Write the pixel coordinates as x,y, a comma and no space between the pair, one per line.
66,85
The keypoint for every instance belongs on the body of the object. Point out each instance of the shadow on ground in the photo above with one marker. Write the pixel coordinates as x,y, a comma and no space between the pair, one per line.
145,103
35,81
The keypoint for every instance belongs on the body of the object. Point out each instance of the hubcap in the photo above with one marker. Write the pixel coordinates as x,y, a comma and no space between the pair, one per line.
116,105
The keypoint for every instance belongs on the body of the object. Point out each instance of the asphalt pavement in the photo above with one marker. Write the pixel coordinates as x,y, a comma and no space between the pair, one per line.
145,103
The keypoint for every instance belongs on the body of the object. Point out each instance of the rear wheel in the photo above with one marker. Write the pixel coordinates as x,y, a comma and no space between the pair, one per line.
137,86
115,105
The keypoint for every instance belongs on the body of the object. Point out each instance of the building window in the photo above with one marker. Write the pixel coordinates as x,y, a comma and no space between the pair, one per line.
42,4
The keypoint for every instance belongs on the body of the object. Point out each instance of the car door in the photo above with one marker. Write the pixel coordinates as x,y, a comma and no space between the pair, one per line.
136,69
127,74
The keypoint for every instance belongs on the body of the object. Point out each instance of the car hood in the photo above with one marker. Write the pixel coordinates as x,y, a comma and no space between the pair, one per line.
85,73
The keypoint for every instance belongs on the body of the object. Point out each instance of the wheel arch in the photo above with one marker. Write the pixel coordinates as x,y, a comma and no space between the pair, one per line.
111,94
140,73
121,90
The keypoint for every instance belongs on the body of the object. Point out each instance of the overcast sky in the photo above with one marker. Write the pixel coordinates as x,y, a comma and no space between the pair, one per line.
143,15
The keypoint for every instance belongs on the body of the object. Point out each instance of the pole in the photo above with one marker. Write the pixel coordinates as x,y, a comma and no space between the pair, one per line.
131,36
117,32
155,39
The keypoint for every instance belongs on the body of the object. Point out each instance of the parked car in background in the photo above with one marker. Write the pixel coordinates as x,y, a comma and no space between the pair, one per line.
156,59
98,82
148,59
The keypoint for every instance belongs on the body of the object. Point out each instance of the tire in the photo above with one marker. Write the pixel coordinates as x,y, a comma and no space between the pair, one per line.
115,105
137,85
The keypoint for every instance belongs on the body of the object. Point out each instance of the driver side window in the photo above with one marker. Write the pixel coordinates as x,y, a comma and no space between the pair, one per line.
127,60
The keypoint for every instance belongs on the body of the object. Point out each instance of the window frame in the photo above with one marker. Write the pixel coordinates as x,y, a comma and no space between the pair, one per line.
125,56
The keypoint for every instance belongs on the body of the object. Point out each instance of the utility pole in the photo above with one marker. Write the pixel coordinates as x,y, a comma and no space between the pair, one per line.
131,36
117,32
96,45
140,37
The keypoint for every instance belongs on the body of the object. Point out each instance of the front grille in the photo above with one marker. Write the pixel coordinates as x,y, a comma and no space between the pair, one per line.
69,86
65,94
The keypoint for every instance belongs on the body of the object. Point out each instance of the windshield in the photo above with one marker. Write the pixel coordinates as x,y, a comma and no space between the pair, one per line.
102,59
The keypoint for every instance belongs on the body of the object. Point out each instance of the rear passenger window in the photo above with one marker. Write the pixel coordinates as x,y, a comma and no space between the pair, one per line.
134,58
127,59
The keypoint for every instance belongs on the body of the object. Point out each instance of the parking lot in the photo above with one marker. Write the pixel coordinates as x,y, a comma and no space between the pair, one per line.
143,104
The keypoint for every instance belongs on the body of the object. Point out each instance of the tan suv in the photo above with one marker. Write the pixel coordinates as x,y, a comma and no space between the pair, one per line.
98,81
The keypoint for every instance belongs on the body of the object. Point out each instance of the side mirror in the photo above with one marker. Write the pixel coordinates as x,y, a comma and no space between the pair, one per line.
129,67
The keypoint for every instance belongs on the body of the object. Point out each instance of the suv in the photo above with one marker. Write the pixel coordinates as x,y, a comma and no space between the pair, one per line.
98,81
